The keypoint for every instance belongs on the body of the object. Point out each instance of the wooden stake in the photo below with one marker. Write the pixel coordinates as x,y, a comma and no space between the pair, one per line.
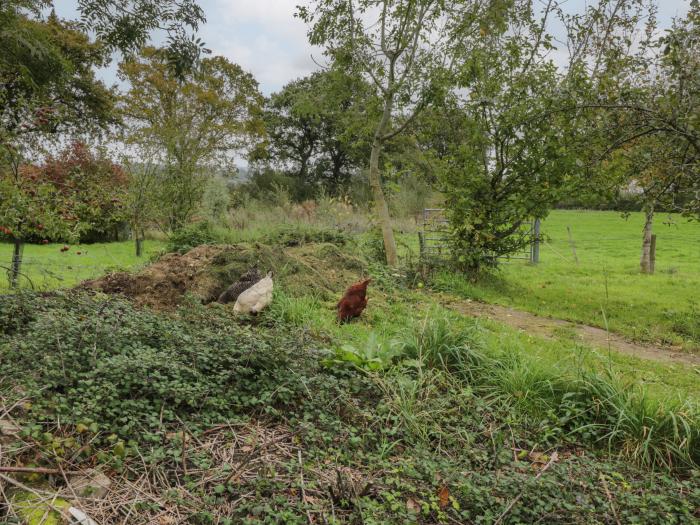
652,253
571,242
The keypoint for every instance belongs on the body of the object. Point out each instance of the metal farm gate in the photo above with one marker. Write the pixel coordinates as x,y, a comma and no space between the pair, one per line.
434,248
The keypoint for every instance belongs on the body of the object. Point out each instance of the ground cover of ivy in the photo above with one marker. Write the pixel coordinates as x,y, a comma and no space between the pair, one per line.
96,382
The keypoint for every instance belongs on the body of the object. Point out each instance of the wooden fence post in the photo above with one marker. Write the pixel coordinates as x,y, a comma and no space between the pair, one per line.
535,247
16,262
652,253
572,244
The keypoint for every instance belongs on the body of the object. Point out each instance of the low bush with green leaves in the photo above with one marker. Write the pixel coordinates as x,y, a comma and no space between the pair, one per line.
193,235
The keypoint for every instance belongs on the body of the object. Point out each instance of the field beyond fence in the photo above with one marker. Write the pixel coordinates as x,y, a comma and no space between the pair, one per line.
589,272
46,267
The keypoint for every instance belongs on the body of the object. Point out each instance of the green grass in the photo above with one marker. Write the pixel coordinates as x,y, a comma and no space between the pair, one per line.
537,377
451,431
605,286
46,267
389,318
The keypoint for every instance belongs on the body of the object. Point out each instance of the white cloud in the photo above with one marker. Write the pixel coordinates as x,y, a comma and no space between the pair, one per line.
263,36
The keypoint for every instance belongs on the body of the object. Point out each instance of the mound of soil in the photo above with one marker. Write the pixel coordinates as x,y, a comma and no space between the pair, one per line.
206,271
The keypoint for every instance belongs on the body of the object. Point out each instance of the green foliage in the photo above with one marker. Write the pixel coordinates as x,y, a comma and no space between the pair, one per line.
132,372
513,158
317,129
408,430
164,116
126,25
303,234
49,86
587,405
192,235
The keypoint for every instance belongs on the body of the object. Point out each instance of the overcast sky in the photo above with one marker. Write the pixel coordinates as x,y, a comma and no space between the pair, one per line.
264,37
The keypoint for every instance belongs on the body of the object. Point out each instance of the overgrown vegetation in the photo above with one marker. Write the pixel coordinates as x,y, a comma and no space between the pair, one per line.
414,412
391,447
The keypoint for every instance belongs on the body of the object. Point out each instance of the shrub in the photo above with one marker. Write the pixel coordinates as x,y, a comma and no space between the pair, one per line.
295,235
191,236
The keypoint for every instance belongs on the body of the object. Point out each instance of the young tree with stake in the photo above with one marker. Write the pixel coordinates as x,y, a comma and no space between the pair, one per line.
409,50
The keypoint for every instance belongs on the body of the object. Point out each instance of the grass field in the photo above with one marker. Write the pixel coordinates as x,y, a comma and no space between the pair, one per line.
605,287
46,267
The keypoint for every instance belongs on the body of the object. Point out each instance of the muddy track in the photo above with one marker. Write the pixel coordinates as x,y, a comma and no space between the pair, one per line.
590,335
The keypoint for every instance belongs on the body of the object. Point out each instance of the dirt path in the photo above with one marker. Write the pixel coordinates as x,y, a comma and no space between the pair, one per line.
547,328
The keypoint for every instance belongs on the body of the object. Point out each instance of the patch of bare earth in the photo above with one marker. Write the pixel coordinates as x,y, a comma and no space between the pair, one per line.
547,328
162,285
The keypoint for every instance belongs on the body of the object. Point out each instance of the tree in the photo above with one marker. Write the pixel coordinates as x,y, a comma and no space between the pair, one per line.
141,205
408,50
45,95
507,164
93,184
192,124
317,128
646,101
52,93
77,193
119,25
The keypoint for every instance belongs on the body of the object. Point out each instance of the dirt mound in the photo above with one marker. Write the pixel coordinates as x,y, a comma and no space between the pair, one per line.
162,285
206,271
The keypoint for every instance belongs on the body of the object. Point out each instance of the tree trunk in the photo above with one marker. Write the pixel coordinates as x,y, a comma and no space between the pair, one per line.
139,244
16,263
375,182
645,262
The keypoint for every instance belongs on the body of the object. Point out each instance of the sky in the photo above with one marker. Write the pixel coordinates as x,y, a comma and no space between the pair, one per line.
265,39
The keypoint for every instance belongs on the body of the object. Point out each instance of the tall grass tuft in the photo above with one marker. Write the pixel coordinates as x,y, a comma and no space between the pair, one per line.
437,343
587,405
632,424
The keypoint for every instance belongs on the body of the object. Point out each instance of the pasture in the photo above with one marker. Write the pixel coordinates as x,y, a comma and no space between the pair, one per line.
46,267
605,287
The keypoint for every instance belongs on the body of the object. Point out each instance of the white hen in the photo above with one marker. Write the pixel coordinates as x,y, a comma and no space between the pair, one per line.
255,298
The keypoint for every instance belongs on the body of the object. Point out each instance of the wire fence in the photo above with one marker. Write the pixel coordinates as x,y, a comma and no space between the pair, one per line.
565,243
433,239
56,269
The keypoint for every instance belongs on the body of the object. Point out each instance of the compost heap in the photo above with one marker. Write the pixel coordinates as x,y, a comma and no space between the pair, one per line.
208,270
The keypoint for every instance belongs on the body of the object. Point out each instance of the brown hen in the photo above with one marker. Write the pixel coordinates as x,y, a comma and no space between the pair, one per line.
353,302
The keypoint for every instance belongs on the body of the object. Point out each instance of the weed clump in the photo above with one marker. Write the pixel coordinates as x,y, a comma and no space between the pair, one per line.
192,235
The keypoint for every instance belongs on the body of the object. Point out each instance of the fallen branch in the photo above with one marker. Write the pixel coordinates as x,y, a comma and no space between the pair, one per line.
40,470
